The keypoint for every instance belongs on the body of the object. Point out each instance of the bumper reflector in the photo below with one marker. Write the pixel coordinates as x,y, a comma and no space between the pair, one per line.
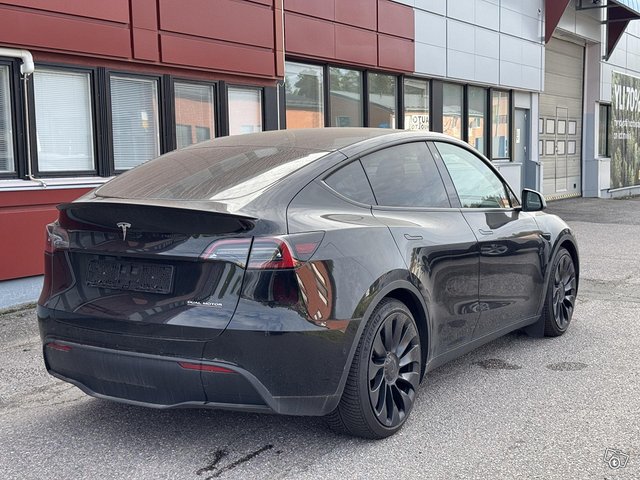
204,368
59,346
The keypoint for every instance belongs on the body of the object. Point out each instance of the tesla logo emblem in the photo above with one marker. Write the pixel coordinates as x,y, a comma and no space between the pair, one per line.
123,226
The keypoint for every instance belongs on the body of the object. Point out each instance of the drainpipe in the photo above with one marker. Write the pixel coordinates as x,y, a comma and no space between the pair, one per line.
26,69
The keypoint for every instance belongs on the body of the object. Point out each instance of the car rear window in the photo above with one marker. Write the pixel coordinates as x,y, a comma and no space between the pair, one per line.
210,173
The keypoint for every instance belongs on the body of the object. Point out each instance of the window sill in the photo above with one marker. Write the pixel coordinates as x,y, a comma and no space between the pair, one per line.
52,183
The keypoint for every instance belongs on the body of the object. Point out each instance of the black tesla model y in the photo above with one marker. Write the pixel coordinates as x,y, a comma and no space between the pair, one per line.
308,272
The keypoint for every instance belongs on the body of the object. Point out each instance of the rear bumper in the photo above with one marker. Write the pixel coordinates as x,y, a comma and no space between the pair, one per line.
150,380
292,373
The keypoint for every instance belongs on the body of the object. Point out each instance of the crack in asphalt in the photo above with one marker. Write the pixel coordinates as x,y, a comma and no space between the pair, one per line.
219,454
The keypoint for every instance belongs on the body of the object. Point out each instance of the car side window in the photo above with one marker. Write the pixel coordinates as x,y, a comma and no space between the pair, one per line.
476,184
351,182
405,176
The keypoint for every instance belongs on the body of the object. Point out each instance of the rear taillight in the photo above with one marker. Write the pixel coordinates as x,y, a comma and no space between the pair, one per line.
266,253
233,250
57,238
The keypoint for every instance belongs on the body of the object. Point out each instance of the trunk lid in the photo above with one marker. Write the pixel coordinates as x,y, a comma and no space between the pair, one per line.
146,270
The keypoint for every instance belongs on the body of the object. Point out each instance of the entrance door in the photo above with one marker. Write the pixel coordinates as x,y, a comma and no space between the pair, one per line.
529,170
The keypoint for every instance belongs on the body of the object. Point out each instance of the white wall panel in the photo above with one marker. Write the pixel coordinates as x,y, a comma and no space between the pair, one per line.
435,6
430,28
460,64
431,60
487,43
464,10
460,36
494,42
487,70
487,14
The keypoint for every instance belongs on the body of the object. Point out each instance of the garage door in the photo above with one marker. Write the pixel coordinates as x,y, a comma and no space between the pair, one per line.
560,123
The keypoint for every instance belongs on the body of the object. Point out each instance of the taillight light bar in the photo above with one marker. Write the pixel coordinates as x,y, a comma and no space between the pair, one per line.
266,253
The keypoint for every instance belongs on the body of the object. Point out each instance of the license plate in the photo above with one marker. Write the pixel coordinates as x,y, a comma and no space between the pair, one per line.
137,277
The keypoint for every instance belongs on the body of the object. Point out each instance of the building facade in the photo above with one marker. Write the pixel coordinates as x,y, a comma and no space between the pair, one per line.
114,84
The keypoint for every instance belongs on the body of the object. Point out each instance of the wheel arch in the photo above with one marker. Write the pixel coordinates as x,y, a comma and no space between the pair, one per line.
402,290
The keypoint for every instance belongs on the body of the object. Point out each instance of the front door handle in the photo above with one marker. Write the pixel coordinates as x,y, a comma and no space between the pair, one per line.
485,232
412,237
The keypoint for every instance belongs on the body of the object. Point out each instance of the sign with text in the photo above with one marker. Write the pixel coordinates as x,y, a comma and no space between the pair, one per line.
625,130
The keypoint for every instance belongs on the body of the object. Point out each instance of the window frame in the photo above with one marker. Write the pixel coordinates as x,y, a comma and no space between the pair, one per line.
16,114
364,73
399,90
263,114
487,120
170,112
108,130
464,108
607,130
325,86
450,186
490,155
428,81
364,96
95,116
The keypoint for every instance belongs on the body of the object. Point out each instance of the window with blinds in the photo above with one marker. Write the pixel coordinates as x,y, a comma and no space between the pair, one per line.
7,164
134,118
245,110
64,124
194,113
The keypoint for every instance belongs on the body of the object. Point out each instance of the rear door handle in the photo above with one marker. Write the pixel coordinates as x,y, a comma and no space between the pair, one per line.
412,237
485,232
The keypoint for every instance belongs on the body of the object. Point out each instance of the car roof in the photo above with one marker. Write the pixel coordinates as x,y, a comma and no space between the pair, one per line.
320,139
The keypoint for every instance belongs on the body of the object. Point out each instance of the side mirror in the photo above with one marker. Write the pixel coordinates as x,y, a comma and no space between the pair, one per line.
532,201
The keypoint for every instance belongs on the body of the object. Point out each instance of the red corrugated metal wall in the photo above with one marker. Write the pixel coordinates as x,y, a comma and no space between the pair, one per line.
236,36
368,33
23,216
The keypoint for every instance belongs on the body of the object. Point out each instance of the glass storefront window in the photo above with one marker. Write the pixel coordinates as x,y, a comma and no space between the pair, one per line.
452,110
6,129
64,123
383,100
245,110
134,113
416,104
603,130
304,89
195,112
476,117
345,87
500,121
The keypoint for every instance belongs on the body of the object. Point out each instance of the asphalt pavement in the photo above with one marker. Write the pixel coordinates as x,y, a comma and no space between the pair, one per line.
516,408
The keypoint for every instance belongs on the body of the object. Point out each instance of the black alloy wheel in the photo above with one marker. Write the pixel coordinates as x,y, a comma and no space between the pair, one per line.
393,377
384,377
561,295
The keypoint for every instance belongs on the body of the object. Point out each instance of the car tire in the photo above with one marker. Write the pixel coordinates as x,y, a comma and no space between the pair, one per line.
561,295
384,377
